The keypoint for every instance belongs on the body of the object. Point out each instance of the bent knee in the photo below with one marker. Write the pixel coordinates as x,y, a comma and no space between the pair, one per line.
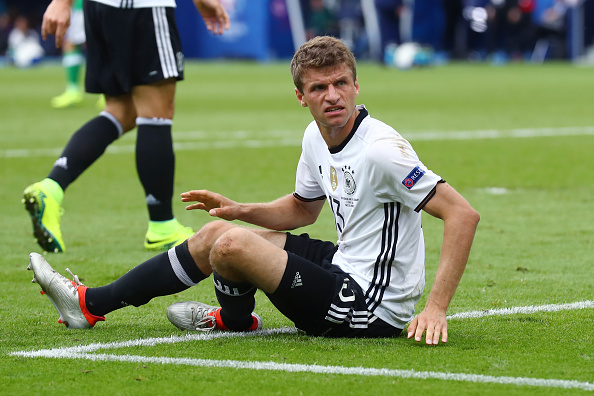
228,247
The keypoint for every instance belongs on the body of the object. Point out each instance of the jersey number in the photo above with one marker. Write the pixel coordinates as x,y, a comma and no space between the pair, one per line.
338,217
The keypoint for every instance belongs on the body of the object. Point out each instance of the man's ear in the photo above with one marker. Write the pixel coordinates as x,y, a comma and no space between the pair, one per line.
299,95
357,86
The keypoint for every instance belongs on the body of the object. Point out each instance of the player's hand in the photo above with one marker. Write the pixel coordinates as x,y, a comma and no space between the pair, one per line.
215,204
56,20
434,322
214,15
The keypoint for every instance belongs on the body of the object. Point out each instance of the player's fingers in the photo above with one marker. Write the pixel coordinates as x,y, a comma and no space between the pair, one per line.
45,28
223,19
195,206
436,334
411,328
444,334
208,24
429,335
421,326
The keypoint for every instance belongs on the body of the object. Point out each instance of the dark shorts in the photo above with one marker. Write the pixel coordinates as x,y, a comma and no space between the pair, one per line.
127,47
320,298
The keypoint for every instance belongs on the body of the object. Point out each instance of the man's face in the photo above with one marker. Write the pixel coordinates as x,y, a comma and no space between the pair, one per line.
330,94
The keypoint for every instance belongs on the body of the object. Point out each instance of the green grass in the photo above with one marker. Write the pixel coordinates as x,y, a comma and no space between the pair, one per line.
533,247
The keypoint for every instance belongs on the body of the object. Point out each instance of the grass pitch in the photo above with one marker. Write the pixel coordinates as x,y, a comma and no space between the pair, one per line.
516,141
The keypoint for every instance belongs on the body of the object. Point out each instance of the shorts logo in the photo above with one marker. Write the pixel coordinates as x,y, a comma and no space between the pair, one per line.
413,177
342,297
297,281
180,61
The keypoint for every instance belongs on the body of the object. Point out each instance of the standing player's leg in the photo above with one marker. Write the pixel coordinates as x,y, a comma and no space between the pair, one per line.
155,162
43,200
72,59
72,62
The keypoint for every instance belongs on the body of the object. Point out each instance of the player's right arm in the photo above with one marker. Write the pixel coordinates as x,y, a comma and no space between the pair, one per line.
56,20
285,213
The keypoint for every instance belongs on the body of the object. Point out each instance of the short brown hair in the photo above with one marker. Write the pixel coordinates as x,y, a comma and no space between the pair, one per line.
318,53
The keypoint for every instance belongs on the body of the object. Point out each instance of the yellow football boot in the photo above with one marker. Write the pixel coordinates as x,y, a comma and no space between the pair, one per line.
159,237
45,213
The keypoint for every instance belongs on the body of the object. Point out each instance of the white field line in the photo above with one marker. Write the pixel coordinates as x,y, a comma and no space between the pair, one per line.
199,140
84,352
523,310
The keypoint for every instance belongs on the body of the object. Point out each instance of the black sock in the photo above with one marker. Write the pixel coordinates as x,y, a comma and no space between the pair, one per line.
237,302
84,147
155,163
168,273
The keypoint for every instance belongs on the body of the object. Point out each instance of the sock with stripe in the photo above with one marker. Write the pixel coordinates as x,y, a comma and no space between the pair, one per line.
237,304
155,163
167,273
84,147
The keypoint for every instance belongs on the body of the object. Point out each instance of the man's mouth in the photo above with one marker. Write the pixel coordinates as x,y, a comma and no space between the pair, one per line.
334,109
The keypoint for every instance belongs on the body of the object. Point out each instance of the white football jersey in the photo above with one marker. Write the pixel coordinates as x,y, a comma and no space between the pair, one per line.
137,3
376,186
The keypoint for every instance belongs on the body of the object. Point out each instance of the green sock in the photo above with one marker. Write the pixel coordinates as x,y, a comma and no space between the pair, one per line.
54,189
72,62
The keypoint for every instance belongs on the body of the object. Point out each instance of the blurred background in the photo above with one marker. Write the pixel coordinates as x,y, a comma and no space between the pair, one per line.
399,33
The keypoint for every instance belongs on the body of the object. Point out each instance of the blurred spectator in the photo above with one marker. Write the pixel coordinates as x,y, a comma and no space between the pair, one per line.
351,26
510,28
452,45
4,27
551,29
388,15
521,28
24,48
427,23
321,21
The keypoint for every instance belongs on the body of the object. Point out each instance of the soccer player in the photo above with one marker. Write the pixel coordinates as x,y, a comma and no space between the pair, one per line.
72,59
134,58
366,285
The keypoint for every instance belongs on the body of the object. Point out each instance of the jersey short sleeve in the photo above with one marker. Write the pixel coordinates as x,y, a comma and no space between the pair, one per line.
397,174
306,185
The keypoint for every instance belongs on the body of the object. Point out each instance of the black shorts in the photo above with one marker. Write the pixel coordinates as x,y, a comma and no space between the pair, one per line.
127,47
320,298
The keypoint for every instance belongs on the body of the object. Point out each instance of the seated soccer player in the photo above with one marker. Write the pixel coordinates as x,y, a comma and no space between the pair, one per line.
365,285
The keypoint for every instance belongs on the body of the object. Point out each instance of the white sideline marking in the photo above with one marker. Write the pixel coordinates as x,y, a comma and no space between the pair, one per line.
523,310
200,140
84,352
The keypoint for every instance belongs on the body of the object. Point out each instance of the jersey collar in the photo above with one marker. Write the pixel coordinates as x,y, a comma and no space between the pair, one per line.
362,114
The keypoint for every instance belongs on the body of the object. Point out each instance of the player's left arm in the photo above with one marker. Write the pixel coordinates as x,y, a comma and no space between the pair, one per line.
460,222
214,15
56,20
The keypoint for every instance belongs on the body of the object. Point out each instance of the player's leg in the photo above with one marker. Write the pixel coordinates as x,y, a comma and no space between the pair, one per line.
221,243
81,307
155,162
170,272
72,62
316,295
157,61
43,200
243,261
